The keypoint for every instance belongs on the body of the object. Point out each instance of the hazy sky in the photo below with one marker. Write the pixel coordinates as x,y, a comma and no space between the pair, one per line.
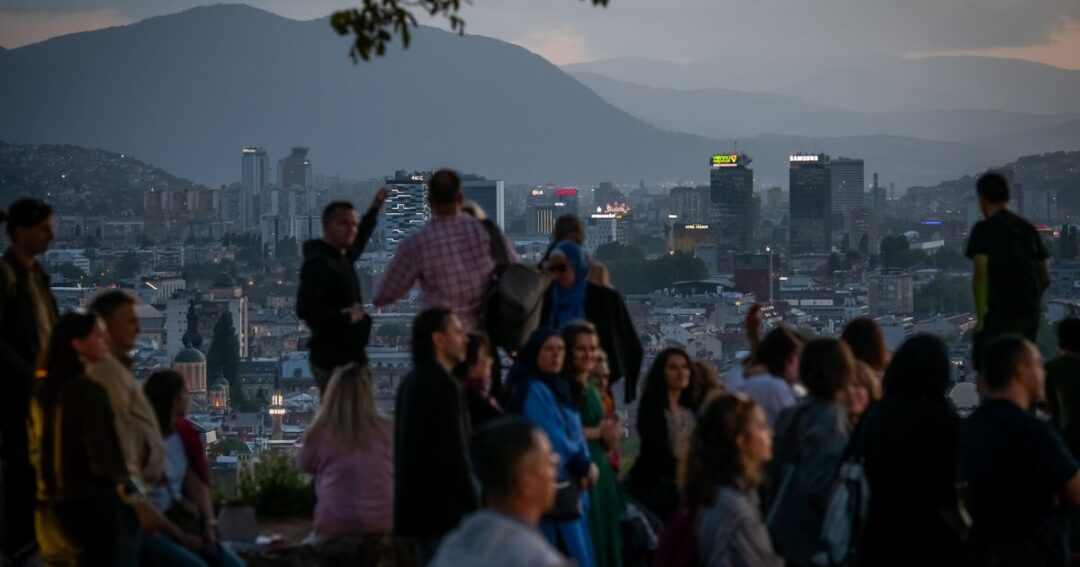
567,31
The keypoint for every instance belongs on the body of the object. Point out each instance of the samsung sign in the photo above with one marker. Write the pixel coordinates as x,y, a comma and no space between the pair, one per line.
797,159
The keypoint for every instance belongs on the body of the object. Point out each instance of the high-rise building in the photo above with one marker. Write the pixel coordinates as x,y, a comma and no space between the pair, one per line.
774,198
847,184
406,207
606,194
295,170
254,177
690,205
880,200
731,200
753,273
545,204
490,194
810,202
603,228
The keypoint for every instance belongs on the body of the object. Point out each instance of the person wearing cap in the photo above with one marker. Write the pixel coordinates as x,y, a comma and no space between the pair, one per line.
27,315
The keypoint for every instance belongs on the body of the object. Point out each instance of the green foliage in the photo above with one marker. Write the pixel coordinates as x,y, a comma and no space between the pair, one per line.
224,357
896,253
950,259
128,266
374,24
277,489
631,272
226,447
68,271
945,294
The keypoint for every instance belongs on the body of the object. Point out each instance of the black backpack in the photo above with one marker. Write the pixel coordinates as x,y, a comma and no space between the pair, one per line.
514,299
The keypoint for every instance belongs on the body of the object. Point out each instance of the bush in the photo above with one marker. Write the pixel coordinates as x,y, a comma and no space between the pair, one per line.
277,489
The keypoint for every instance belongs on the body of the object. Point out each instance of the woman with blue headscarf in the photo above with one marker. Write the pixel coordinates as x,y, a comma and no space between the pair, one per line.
572,296
541,394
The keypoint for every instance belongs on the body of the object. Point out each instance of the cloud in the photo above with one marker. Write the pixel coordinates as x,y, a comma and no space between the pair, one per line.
18,29
560,46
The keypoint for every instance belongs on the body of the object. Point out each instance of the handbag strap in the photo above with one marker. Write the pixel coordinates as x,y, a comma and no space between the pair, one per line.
498,244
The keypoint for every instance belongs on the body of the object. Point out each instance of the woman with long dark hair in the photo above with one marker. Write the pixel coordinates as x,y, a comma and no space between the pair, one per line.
476,383
719,477
80,517
543,396
867,343
908,442
810,442
181,500
606,505
665,417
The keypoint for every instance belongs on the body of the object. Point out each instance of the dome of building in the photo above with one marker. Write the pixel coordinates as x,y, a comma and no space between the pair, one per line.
220,386
189,355
224,280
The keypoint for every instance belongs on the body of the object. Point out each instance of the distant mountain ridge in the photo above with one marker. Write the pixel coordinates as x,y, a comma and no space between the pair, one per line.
869,83
187,91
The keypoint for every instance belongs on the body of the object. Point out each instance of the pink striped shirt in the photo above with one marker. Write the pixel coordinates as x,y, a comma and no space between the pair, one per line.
451,258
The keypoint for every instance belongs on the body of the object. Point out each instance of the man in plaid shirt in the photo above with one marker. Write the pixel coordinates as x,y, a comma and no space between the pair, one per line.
450,257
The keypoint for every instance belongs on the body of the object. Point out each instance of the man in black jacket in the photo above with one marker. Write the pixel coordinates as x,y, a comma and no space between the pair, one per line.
433,487
329,299
27,315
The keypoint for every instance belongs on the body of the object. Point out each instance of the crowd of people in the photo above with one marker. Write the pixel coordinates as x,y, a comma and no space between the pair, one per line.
744,469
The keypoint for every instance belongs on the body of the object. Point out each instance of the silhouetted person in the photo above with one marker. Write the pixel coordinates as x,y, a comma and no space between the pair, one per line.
867,342
1009,268
27,315
1016,465
1063,383
516,468
774,390
810,442
328,299
908,442
474,373
135,421
80,517
433,488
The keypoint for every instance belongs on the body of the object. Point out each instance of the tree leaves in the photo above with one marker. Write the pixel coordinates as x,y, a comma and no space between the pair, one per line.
374,24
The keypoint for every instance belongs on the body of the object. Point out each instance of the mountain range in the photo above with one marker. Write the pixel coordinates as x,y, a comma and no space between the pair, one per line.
187,91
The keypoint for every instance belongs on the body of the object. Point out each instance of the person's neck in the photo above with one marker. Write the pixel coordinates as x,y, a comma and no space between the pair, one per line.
336,246
1015,394
516,509
445,362
582,378
446,210
23,256
992,210
673,397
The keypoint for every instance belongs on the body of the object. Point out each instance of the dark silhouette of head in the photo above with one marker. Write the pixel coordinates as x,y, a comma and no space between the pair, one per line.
1068,333
61,358
161,390
992,188
1007,359
826,368
568,227
920,369
776,350
28,224
444,192
867,343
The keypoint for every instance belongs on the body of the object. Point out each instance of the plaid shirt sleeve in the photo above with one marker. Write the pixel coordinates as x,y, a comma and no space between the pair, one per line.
401,274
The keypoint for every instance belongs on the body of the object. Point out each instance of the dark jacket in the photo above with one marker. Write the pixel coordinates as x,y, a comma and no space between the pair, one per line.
909,447
605,308
652,479
1063,397
329,285
433,487
19,350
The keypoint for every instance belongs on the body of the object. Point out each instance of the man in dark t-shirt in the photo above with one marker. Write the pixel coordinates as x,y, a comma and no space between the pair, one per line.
1009,275
1016,466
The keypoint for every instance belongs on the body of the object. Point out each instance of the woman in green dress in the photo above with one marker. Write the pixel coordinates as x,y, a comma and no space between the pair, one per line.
606,503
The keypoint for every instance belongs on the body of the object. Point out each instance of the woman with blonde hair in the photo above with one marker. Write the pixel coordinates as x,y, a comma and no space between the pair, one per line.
349,449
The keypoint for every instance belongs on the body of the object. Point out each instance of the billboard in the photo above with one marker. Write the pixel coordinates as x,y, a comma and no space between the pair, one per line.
725,160
802,158
566,192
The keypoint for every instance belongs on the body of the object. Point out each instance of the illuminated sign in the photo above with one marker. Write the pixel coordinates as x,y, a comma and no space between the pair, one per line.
725,160
931,222
617,208
566,192
417,178
696,227
606,216
537,192
673,216
796,159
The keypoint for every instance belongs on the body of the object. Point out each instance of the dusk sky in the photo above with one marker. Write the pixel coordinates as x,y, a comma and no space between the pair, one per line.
568,31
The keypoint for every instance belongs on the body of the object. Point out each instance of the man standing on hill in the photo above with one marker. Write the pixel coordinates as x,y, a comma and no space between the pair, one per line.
328,300
1009,261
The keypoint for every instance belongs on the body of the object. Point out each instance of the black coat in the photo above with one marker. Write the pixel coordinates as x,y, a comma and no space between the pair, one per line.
433,487
19,350
652,479
605,308
328,285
